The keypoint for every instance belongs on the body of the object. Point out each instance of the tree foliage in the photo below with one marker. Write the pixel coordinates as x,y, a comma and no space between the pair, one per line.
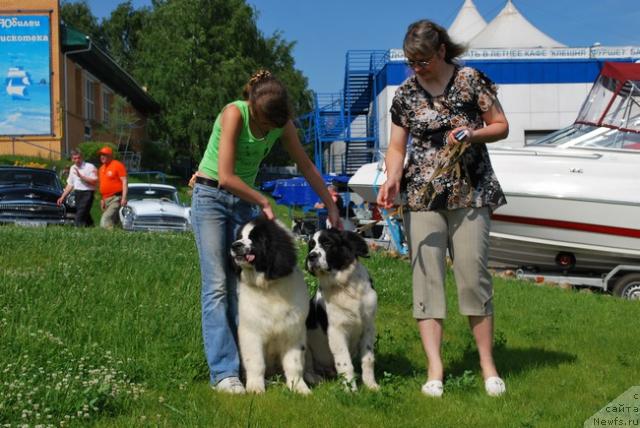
122,31
121,123
78,14
194,57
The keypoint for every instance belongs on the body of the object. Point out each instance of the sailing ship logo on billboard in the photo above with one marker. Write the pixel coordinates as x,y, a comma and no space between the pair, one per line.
25,70
18,82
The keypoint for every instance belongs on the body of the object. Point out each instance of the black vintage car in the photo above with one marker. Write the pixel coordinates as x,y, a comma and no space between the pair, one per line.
28,197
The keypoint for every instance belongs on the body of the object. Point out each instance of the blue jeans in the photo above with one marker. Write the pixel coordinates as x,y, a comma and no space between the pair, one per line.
216,216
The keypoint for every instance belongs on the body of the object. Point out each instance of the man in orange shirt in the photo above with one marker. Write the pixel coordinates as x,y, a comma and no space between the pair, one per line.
113,187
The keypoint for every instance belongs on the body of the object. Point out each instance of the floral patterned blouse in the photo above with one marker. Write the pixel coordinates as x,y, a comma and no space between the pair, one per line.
428,119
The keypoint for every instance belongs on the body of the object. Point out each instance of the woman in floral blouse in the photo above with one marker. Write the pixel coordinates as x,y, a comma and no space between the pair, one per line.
450,188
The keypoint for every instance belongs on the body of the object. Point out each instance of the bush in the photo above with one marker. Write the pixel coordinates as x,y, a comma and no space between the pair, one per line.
89,150
183,165
156,155
34,162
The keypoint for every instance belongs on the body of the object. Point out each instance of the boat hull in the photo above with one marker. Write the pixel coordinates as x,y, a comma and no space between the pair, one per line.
532,231
577,202
367,180
580,203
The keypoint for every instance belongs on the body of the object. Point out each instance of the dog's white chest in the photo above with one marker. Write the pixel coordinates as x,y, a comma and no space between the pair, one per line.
276,307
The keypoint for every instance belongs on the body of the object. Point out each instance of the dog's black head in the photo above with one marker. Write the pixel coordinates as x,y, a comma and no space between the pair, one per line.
266,246
334,250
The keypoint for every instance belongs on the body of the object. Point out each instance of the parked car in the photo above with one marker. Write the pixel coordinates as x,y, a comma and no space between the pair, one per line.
154,207
28,197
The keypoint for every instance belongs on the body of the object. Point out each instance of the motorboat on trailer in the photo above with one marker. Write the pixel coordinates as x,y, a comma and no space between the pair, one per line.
573,197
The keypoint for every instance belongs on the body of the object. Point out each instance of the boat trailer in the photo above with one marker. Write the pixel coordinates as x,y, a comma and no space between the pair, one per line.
623,280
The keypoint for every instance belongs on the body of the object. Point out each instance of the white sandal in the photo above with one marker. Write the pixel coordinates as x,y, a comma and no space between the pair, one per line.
495,386
433,388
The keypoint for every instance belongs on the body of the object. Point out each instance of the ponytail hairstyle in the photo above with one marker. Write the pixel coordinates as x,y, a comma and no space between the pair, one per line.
267,95
424,37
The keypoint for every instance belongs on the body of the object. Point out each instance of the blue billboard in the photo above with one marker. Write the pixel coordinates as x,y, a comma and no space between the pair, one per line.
25,75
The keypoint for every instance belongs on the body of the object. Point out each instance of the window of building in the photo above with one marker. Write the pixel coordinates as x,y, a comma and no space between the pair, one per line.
107,96
531,136
87,131
77,91
89,99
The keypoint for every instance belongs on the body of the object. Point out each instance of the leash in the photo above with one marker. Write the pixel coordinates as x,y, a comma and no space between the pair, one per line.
392,224
446,162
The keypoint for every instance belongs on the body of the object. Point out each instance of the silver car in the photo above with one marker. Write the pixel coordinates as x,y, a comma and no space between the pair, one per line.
154,207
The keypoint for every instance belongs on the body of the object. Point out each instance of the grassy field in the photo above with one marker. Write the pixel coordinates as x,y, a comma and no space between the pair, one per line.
102,328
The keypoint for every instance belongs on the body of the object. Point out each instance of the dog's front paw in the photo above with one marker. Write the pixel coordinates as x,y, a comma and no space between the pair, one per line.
350,386
255,386
303,389
300,387
372,385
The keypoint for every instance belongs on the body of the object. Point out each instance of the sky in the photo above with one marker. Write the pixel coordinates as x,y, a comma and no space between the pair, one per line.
324,30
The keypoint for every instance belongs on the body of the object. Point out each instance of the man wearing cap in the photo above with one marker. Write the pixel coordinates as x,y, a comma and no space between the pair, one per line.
82,180
113,187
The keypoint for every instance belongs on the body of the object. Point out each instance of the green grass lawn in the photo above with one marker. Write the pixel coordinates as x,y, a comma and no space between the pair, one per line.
103,328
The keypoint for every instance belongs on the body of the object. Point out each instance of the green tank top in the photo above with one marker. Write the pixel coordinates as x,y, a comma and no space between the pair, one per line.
250,151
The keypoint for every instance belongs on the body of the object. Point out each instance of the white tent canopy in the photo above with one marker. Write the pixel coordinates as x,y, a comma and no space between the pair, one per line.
512,30
468,23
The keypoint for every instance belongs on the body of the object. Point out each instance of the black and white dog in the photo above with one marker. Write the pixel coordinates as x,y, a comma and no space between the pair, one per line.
341,322
272,305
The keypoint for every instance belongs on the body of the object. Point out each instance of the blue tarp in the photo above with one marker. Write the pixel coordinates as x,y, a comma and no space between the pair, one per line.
297,192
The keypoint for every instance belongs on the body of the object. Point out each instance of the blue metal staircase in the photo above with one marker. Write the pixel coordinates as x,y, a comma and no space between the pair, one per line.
349,116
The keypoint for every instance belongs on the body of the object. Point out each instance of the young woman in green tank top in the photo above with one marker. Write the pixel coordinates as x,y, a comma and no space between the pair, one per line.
224,198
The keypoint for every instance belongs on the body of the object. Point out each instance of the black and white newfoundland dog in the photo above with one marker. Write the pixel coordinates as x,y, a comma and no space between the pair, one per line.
341,322
272,305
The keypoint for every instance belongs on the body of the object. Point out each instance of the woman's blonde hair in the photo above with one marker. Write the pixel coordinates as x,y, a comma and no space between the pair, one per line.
267,95
424,38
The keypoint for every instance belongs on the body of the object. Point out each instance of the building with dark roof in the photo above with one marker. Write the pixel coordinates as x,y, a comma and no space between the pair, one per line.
59,87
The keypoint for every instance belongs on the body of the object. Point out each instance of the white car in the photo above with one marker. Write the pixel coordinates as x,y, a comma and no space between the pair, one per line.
154,207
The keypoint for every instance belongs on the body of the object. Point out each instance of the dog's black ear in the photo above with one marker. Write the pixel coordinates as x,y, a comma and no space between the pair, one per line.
282,256
357,243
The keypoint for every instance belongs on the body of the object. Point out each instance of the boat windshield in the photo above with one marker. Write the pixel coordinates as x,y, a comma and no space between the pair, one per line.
591,137
610,115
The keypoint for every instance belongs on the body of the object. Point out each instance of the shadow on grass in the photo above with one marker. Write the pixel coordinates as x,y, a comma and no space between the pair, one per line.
397,364
512,361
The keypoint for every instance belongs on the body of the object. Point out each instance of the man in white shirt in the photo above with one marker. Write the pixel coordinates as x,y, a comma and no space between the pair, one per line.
83,178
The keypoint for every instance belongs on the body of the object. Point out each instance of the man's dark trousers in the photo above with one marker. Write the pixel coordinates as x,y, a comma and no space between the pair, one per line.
84,201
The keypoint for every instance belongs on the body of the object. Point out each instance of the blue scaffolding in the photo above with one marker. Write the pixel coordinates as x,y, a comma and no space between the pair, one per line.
349,116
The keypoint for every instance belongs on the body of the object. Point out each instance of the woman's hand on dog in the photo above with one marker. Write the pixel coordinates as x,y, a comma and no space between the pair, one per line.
267,210
334,218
